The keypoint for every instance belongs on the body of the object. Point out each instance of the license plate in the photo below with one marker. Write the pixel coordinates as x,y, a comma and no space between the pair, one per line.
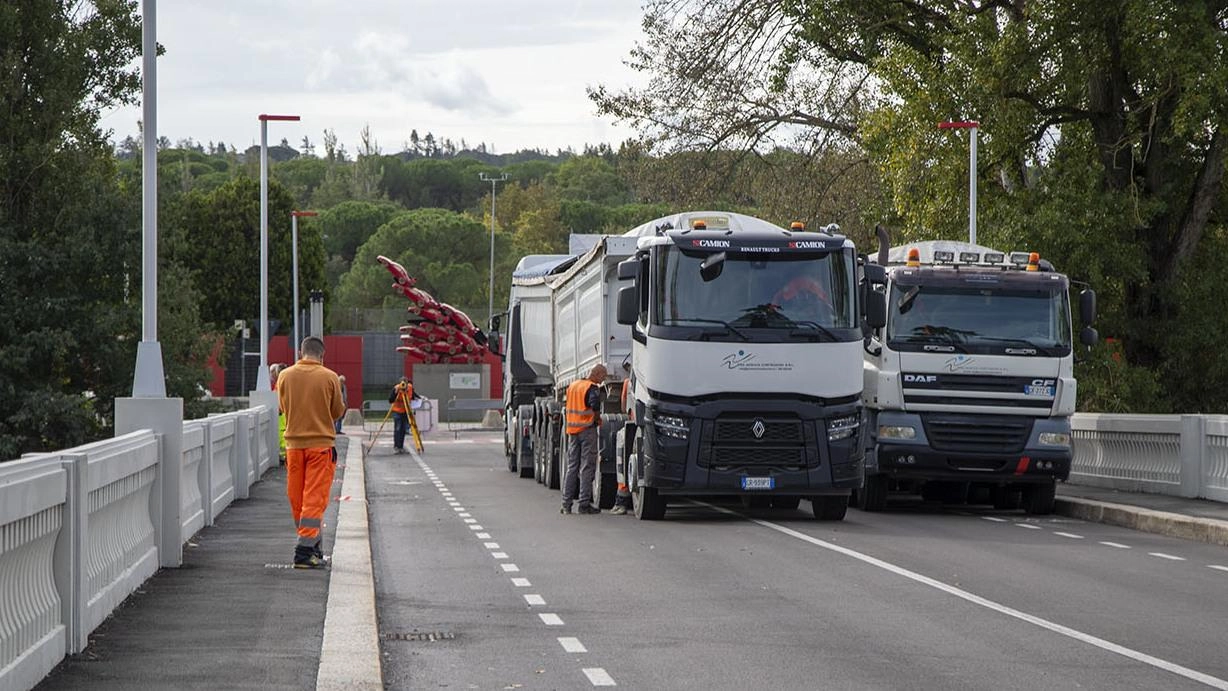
758,483
1030,390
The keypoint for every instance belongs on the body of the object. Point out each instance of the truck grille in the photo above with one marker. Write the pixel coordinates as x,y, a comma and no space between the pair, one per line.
742,430
751,455
982,433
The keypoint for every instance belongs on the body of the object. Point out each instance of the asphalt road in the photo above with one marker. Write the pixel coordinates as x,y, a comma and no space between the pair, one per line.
717,597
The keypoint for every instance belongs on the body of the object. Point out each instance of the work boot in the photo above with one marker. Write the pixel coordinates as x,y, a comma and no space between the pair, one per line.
565,509
310,562
588,509
618,510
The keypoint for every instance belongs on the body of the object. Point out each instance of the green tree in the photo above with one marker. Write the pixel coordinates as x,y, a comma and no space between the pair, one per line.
347,225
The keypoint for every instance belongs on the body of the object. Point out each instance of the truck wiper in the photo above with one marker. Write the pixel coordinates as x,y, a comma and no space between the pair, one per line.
727,325
1023,342
812,325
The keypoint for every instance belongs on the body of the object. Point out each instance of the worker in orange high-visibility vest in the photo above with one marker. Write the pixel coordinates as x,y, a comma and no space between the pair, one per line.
310,396
622,501
582,414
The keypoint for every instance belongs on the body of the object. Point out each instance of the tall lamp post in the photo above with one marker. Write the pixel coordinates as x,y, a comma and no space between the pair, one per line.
294,217
973,126
490,304
262,376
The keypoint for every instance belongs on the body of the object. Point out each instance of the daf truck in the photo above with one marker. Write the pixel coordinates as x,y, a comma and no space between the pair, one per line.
969,386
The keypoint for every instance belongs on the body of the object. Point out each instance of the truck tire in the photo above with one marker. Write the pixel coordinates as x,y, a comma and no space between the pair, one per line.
554,453
873,497
649,505
524,416
830,508
781,502
1038,500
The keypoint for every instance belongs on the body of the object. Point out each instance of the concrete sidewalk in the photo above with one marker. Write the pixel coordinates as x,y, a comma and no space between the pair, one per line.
234,616
1191,519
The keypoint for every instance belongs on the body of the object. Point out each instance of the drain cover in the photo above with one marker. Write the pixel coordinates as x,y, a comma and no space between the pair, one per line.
419,636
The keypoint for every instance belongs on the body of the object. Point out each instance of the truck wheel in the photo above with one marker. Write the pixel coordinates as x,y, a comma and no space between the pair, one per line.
873,497
1038,500
1005,498
786,502
649,505
524,415
553,456
605,489
830,508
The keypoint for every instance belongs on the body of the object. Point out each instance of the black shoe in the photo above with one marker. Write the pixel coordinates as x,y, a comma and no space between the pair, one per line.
311,562
588,509
564,509
398,450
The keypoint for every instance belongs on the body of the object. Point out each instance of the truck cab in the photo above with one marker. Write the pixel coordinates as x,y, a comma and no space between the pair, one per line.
746,341
969,386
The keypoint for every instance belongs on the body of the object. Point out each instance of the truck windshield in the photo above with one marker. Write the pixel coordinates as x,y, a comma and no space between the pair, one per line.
979,320
802,295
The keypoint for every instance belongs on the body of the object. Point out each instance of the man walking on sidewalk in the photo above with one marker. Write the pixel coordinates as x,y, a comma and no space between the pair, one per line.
310,397
585,399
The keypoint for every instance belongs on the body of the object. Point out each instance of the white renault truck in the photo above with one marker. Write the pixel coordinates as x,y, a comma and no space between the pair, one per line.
969,386
742,341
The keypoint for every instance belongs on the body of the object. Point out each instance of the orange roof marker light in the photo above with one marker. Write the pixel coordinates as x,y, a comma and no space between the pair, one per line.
797,226
914,256
1033,261
699,224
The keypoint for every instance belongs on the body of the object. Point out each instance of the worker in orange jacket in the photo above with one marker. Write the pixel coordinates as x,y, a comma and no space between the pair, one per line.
310,397
400,399
585,399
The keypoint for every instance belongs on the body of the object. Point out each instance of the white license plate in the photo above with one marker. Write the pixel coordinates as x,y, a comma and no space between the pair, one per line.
758,483
1030,390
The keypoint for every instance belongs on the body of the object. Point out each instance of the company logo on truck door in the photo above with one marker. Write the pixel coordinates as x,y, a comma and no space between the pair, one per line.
716,244
808,245
743,361
920,378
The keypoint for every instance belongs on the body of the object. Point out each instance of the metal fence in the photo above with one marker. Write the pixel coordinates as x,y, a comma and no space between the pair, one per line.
1180,455
79,529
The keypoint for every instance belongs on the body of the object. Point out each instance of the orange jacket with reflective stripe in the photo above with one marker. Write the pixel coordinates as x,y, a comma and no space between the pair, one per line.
630,411
579,415
398,404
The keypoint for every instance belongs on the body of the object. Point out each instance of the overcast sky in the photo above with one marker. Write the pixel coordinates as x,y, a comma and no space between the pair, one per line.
511,73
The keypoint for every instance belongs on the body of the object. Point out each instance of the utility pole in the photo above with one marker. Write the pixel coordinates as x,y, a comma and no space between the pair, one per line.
973,126
490,306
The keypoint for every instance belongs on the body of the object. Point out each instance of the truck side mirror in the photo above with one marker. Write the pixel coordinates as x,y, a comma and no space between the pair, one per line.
496,321
876,309
875,274
712,267
628,268
628,305
1089,336
1087,306
492,343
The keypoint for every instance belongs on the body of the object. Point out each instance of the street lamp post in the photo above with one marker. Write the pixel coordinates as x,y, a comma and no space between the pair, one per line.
490,304
262,376
973,126
294,216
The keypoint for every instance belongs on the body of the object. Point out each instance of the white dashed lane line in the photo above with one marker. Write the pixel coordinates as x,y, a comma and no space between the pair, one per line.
1170,557
995,519
1118,545
1217,567
1069,535
597,676
1029,526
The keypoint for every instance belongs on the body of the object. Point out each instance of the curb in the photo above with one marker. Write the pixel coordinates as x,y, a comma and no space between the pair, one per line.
350,653
1147,520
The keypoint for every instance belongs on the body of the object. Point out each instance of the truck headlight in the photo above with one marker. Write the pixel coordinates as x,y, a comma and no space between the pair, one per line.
897,432
1055,438
842,427
672,426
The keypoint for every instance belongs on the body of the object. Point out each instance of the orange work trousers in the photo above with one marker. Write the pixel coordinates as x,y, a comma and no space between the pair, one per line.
309,477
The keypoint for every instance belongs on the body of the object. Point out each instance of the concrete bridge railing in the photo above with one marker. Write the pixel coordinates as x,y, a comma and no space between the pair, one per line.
1179,455
80,529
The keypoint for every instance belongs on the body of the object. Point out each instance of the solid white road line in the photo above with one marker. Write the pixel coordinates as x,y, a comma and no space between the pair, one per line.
1195,675
1069,535
550,619
598,676
535,600
1118,545
490,545
1029,526
572,645
521,582
995,519
510,568
499,555
1170,557
1217,567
